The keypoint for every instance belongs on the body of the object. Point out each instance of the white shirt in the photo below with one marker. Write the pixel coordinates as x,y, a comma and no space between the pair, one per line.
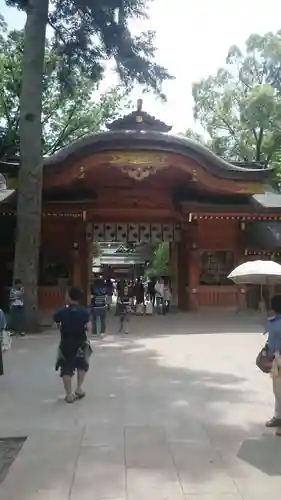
159,289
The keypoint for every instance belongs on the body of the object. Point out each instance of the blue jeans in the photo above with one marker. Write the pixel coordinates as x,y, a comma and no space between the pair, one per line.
98,315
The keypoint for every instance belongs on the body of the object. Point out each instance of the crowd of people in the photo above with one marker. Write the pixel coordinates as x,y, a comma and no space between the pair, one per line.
157,292
139,297
77,323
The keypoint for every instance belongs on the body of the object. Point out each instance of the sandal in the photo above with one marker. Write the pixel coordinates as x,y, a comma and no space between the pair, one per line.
80,395
70,399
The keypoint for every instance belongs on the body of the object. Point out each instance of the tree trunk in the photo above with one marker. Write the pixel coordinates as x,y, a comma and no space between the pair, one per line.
31,168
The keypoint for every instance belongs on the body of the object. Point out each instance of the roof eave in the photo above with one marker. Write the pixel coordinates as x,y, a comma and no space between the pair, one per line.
148,140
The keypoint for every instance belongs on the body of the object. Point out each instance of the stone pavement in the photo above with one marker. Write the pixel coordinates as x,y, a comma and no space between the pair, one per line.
174,411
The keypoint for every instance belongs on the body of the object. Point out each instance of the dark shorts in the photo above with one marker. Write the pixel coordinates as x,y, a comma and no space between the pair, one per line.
68,366
125,310
69,360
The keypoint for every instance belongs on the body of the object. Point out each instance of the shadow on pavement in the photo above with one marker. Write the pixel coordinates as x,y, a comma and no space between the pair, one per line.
169,413
263,453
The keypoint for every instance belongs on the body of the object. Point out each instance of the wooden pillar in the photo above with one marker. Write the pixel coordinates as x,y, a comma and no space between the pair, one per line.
90,256
76,265
80,257
240,258
182,272
193,270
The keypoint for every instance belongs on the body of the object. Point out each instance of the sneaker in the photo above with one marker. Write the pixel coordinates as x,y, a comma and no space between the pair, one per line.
273,422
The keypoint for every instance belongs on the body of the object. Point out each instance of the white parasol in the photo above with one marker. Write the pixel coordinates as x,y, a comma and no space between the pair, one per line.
257,272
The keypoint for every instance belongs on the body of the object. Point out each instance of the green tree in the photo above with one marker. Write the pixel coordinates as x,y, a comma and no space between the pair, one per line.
194,136
160,260
240,107
87,34
65,117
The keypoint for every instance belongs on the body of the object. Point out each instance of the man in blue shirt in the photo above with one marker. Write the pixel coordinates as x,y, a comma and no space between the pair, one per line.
74,324
273,329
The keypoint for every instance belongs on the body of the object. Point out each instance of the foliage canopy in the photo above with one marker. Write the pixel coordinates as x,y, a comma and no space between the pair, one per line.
239,108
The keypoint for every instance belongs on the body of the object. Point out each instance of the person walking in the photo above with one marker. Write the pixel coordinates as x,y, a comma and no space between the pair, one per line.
139,294
16,320
74,350
98,305
109,293
151,291
274,353
119,290
125,302
159,295
167,295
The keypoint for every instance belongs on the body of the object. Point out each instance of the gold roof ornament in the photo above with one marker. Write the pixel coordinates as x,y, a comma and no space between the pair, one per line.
139,173
139,120
139,165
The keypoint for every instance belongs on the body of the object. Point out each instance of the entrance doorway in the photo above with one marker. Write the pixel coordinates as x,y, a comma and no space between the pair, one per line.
127,250
121,260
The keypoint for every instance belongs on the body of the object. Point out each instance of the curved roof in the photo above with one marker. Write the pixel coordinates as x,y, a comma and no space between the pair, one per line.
148,140
138,120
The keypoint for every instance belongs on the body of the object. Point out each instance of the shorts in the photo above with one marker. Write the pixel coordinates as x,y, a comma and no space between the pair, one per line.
68,366
124,311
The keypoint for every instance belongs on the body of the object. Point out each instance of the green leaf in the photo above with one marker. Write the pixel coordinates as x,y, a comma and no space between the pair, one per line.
65,116
239,107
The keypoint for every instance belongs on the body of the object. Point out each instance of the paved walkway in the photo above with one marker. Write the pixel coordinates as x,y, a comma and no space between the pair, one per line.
175,411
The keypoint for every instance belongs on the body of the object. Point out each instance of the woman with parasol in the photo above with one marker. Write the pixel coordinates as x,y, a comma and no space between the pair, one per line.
269,360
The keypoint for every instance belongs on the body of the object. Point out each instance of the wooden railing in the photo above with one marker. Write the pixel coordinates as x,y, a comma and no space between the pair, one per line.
50,297
220,297
209,297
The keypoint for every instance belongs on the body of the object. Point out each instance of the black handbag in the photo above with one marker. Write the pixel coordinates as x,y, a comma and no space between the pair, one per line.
263,361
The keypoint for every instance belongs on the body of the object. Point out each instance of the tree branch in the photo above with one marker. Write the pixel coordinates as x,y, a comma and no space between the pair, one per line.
47,117
227,125
62,134
57,31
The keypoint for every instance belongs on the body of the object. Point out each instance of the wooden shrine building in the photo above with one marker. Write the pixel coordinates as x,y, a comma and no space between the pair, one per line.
137,182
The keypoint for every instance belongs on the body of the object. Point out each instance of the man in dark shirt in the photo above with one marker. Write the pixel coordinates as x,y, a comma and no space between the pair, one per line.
98,305
74,323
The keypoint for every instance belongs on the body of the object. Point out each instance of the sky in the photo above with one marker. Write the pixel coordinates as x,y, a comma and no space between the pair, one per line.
192,38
